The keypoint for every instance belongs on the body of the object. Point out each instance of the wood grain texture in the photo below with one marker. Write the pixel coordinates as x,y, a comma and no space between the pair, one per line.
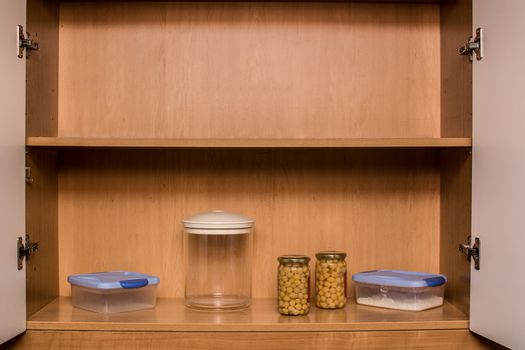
456,70
248,143
431,340
123,209
42,69
172,315
456,208
249,70
42,226
370,1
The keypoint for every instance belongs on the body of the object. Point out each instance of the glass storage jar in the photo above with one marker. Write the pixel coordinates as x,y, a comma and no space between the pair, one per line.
330,280
218,261
293,280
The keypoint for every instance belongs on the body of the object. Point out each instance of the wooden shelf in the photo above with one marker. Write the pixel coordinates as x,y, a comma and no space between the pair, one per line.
172,315
73,142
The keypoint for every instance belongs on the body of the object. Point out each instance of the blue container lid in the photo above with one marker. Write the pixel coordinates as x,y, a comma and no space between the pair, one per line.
399,278
113,280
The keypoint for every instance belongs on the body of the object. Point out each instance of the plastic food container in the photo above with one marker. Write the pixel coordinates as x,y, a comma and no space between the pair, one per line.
401,290
218,261
116,291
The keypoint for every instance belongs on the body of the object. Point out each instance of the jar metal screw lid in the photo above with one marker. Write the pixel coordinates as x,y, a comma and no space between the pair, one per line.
331,254
293,258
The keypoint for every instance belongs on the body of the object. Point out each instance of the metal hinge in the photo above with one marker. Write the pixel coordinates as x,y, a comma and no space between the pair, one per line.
24,42
29,178
473,46
25,250
472,252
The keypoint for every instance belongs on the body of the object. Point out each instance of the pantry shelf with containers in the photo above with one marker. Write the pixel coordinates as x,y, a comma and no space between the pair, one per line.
340,131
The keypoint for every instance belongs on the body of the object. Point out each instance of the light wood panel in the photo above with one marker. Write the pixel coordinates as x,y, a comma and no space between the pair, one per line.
248,143
382,1
42,69
172,315
431,340
456,70
42,226
249,70
456,173
123,209
456,207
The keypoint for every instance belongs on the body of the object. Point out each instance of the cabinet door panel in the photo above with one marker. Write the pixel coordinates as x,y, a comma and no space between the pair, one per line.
498,216
12,154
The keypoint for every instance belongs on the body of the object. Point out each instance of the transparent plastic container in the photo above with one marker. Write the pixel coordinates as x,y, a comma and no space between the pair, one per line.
218,261
110,292
400,290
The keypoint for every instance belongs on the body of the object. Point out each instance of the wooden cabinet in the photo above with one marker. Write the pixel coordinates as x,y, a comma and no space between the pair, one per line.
336,125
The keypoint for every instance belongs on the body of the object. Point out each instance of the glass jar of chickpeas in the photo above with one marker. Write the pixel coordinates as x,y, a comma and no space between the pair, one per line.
293,285
330,280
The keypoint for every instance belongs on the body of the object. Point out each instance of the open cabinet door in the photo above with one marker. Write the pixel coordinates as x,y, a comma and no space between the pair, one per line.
498,203
12,160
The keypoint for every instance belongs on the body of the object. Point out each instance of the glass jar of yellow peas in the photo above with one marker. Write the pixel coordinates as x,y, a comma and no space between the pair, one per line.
293,280
330,280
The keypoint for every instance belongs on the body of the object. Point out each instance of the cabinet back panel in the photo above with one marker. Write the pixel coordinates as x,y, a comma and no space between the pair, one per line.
123,209
255,70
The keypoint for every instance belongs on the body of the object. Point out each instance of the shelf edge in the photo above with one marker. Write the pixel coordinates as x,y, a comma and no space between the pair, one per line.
67,142
198,327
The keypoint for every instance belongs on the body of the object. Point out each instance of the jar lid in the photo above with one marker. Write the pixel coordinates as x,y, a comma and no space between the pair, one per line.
330,254
293,258
218,222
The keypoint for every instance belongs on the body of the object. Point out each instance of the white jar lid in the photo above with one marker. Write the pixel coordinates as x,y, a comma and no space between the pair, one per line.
218,222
